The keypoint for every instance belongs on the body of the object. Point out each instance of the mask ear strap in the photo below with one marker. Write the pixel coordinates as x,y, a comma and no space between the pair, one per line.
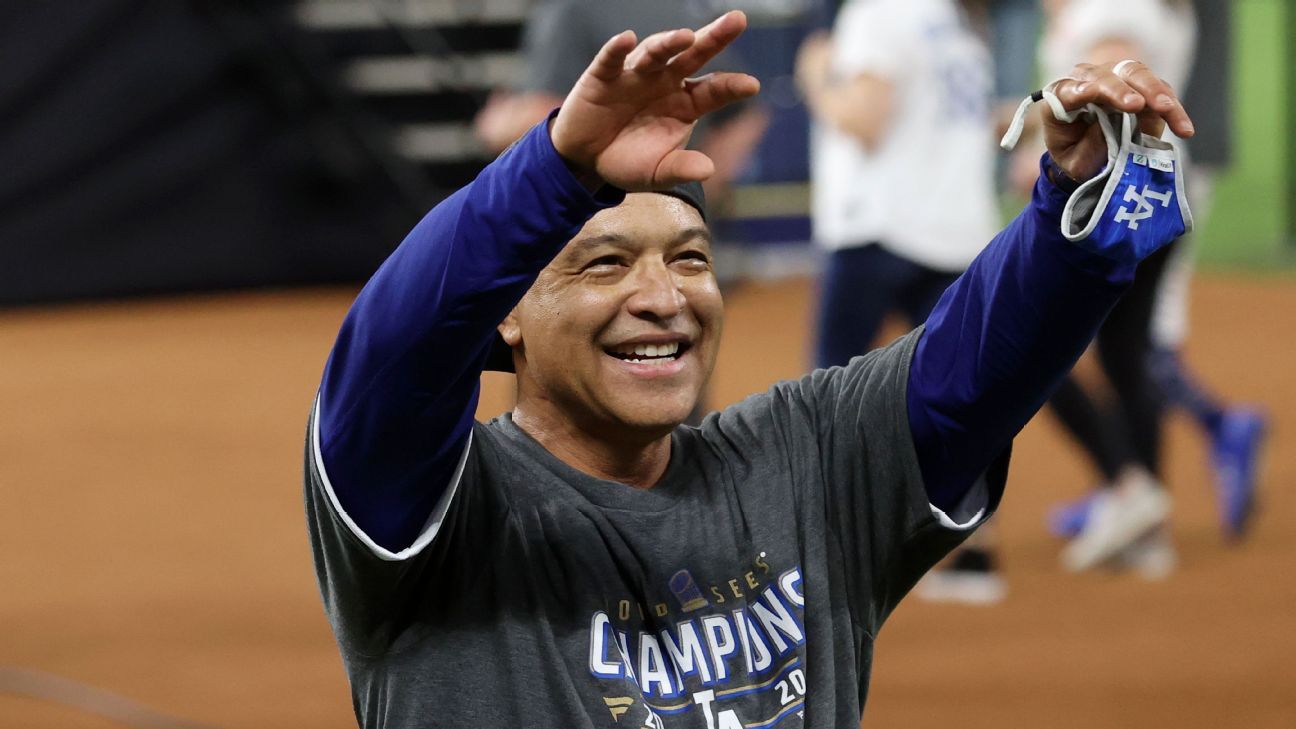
1013,135
1114,137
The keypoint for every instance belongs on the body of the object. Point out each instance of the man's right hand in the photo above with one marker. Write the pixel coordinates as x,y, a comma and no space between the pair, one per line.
630,115
1079,147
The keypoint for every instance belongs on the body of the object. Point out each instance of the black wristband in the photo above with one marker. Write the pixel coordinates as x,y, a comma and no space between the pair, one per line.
1059,177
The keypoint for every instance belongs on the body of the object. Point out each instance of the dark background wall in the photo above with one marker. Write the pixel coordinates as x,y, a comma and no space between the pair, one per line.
163,146
167,145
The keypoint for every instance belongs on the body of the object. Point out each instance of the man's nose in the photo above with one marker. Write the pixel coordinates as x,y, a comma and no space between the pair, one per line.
656,292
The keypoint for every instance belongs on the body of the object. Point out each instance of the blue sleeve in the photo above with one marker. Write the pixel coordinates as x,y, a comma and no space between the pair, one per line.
400,389
1001,339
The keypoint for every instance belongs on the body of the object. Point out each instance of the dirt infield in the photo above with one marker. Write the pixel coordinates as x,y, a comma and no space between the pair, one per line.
154,545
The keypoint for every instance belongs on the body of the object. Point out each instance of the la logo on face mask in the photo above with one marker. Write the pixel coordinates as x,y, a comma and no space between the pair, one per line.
1137,203
1142,209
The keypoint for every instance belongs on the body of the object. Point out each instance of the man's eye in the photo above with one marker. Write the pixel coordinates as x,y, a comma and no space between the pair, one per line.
694,259
603,262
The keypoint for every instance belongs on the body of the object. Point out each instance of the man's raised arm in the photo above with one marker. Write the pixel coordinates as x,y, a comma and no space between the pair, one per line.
399,392
1003,335
400,388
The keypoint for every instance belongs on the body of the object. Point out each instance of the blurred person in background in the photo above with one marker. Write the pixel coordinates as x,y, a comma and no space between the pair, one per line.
1014,27
902,171
559,39
1236,432
1122,524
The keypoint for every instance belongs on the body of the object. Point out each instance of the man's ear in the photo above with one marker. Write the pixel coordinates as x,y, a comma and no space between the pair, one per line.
510,331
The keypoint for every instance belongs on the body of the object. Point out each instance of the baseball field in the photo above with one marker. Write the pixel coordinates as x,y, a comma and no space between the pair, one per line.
154,546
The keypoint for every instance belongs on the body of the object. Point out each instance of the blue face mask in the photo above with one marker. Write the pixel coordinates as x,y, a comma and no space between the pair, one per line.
1137,203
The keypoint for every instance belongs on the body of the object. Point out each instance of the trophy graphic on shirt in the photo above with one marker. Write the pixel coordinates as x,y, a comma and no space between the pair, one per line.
687,592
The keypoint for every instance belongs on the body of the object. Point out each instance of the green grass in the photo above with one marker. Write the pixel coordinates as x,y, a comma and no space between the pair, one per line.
1246,225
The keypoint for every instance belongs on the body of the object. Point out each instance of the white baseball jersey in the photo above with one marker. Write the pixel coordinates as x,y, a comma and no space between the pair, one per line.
927,191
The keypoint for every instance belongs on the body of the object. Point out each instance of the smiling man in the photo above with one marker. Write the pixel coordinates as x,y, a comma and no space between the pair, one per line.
587,561
621,331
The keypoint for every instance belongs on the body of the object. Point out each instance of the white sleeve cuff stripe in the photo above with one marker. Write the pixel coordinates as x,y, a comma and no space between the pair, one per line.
949,523
434,521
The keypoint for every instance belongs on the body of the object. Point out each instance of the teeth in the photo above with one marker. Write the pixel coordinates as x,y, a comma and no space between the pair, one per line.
651,350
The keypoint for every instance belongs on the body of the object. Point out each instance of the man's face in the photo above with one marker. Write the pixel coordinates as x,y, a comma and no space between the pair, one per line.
619,333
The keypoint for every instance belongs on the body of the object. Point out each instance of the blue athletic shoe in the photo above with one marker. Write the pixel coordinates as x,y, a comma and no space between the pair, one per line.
1068,519
1235,454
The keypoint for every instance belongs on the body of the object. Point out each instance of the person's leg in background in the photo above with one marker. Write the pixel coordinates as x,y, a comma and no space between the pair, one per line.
1102,437
1126,521
1236,432
858,288
1170,329
1123,345
920,296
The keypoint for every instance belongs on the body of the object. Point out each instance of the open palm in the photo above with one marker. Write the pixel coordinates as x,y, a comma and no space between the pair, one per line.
630,115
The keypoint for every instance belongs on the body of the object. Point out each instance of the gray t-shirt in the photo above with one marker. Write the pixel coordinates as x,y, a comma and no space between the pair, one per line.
745,589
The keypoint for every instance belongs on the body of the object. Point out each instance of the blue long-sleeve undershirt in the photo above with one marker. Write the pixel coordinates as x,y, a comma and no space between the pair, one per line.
1001,339
400,388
